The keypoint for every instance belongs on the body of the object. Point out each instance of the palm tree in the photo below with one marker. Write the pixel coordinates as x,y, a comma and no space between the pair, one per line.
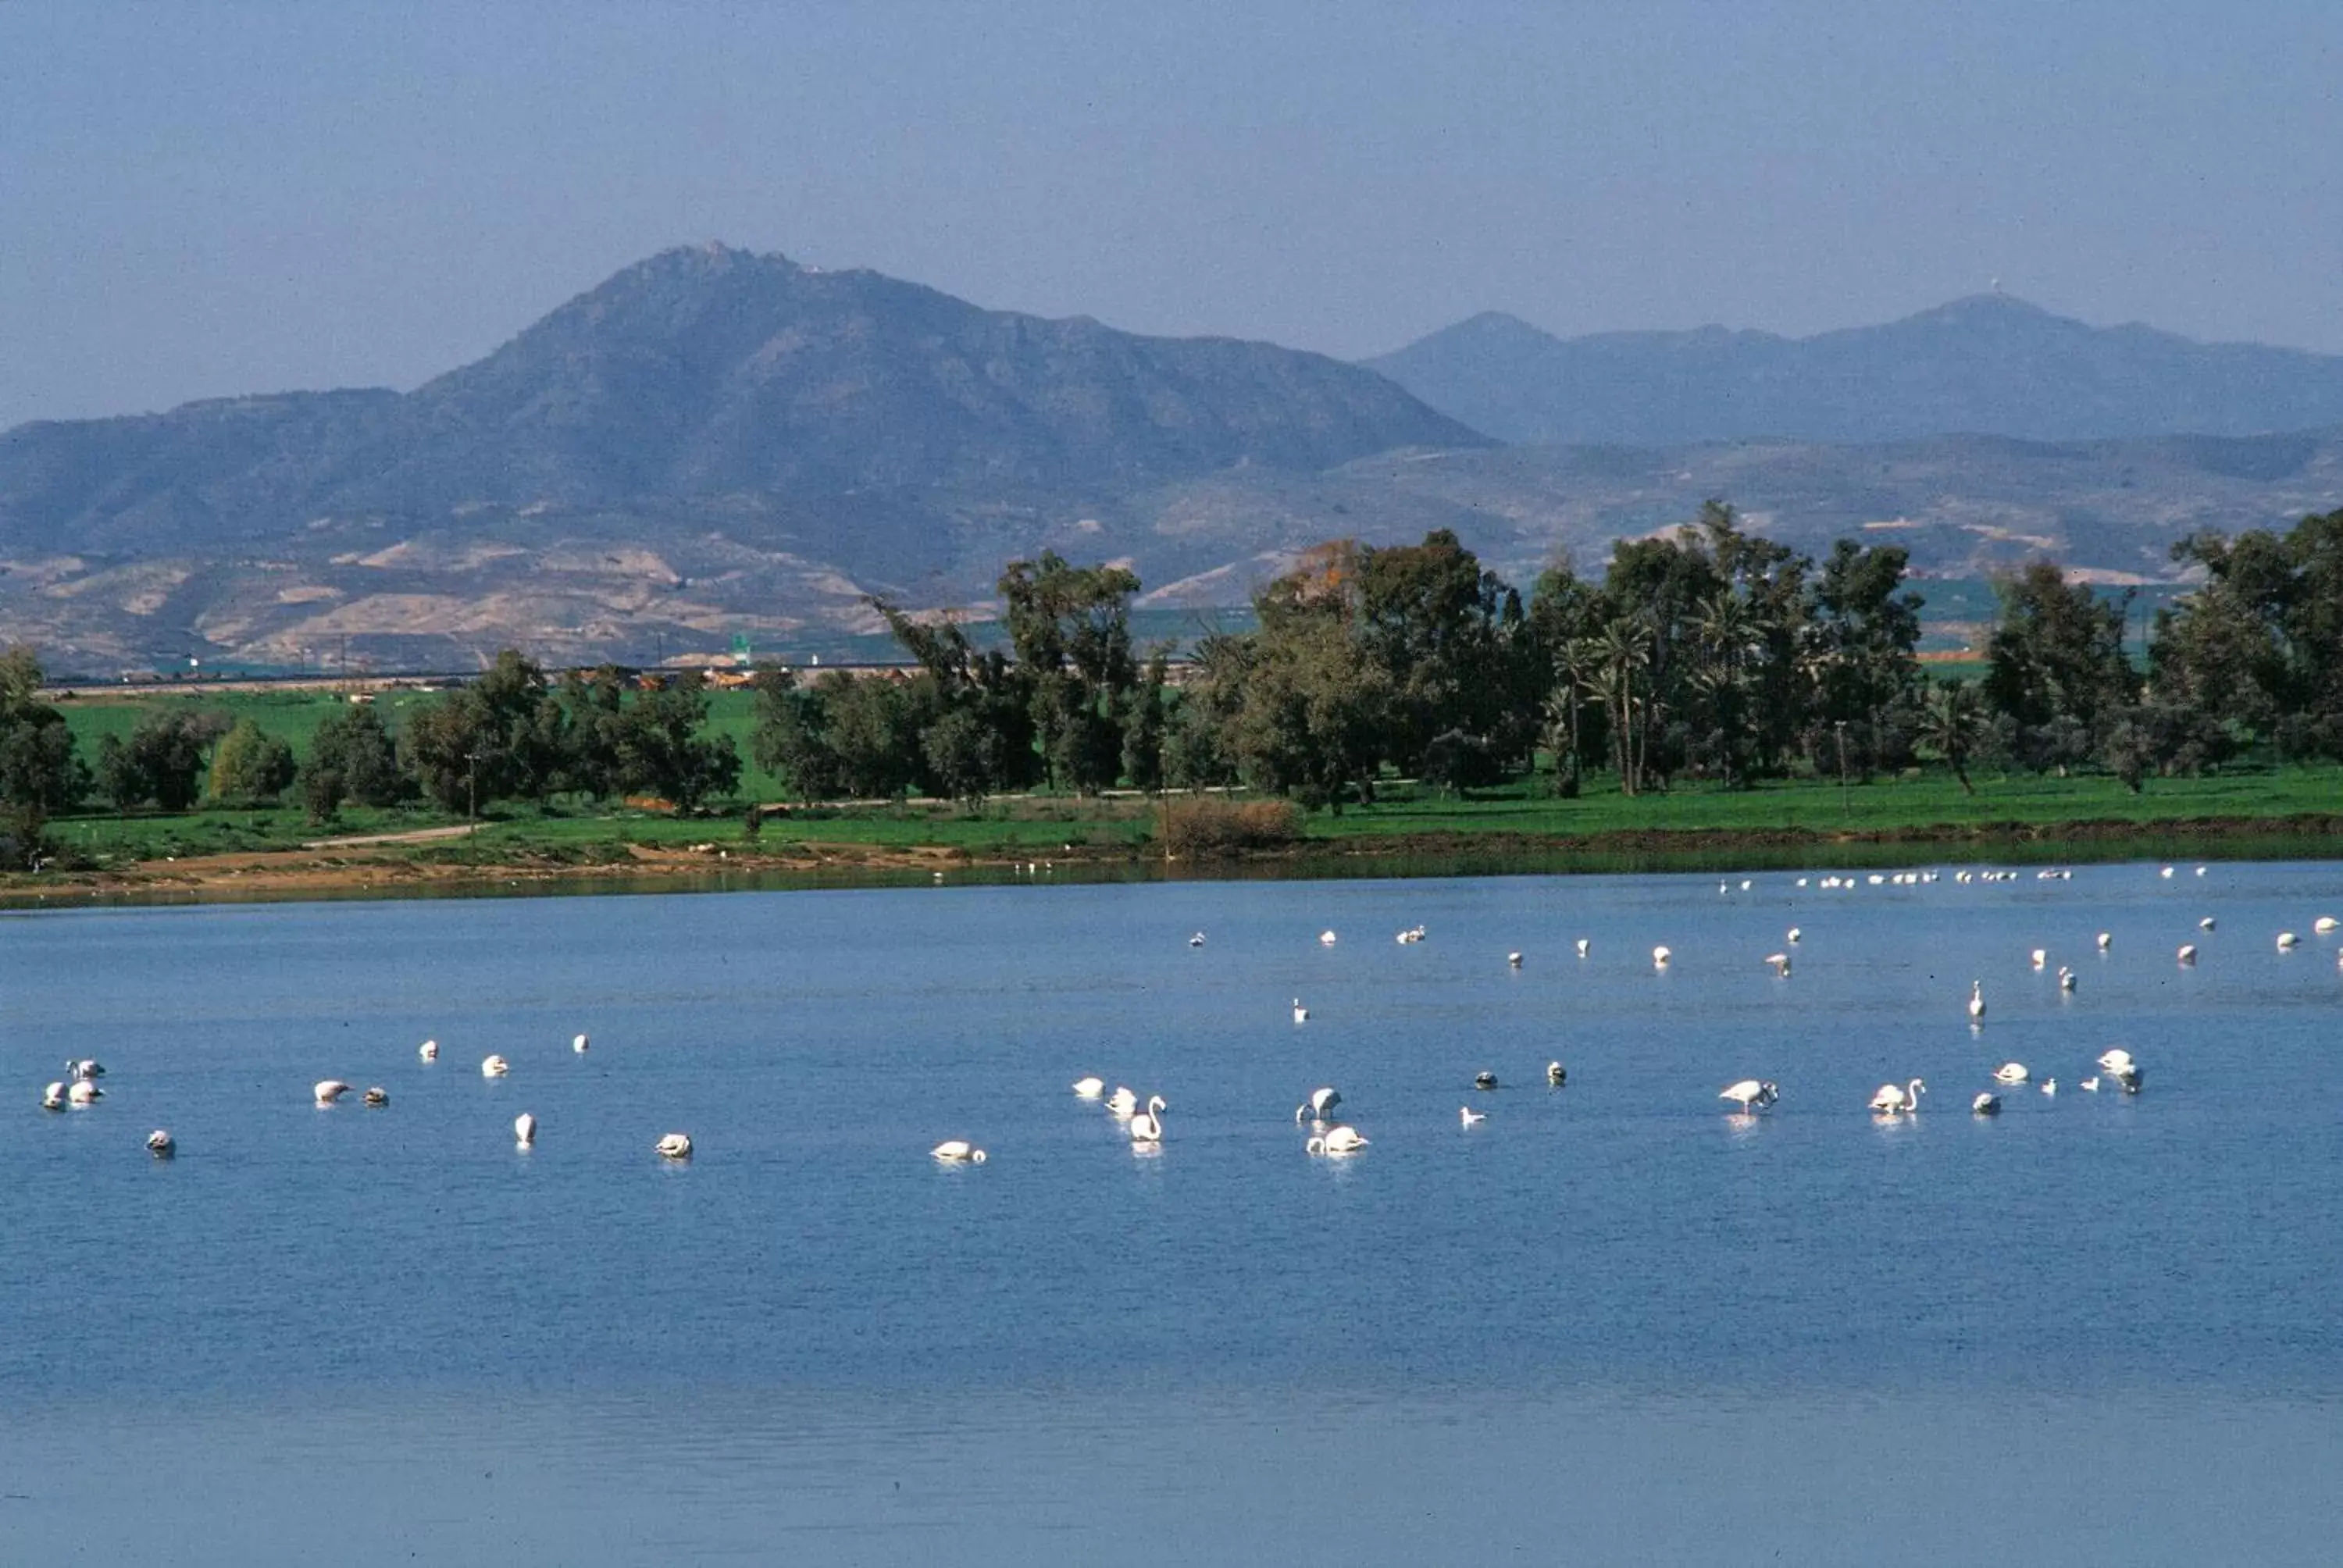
1951,722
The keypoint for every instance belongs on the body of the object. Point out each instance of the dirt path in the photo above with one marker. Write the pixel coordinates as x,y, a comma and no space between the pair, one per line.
414,835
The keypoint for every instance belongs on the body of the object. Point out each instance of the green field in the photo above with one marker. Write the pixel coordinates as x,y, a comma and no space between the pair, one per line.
1120,827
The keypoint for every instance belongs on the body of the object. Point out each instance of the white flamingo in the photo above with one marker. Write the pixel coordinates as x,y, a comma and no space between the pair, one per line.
525,1130
1556,1074
1892,1100
1089,1088
1987,1105
2115,1058
2187,953
2106,940
377,1096
580,1044
53,1098
2287,940
85,1093
2040,957
2050,1086
1581,946
329,1090
1513,960
1976,1001
958,1151
1315,1108
161,1144
1336,1141
1147,1127
1795,935
1300,1013
495,1067
429,1050
1781,964
1660,957
1121,1104
84,1068
1750,1094
1326,939
675,1146
2323,924
2011,1073
2065,977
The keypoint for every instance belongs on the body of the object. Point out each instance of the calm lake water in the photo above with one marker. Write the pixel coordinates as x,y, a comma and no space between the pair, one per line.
1610,1324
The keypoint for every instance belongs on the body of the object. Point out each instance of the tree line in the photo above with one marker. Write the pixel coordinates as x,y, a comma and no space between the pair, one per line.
513,734
1706,653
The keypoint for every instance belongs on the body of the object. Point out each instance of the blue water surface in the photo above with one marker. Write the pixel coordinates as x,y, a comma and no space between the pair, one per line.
1611,1321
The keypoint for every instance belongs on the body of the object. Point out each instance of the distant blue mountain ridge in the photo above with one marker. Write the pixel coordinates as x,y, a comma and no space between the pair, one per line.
1988,365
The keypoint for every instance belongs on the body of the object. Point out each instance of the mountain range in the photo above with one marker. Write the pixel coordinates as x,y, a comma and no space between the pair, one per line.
715,444
1989,366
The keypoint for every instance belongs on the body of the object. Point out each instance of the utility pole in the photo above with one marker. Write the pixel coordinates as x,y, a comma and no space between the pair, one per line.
472,782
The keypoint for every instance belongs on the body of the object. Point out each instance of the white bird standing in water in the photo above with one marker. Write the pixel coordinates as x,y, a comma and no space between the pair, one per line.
1336,1141
2040,957
2106,940
85,1093
1326,939
495,1067
1470,1117
2187,953
580,1044
161,1144
1122,1102
1795,934
1660,957
1320,1102
53,1098
1750,1094
429,1050
1090,1088
1987,1105
2010,1072
329,1090
675,1146
2050,1086
1781,964
1891,1100
1977,999
2065,977
1147,1127
1556,1074
1300,1013
958,1151
1581,946
525,1130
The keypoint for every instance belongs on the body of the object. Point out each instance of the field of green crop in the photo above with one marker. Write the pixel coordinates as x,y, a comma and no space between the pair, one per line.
1034,826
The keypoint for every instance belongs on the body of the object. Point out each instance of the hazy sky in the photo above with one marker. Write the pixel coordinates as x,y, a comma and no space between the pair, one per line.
208,199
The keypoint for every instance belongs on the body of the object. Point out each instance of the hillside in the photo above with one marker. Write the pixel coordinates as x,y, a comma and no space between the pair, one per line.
716,445
1988,365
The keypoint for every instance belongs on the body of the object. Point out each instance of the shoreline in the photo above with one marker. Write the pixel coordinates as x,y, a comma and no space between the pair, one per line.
328,871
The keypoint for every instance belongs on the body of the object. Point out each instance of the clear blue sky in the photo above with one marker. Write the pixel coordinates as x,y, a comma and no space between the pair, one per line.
208,199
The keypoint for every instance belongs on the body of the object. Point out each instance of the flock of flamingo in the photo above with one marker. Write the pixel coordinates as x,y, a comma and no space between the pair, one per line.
1143,1123
1748,1095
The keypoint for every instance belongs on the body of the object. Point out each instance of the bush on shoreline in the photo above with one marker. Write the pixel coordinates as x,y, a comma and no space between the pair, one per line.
1204,827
